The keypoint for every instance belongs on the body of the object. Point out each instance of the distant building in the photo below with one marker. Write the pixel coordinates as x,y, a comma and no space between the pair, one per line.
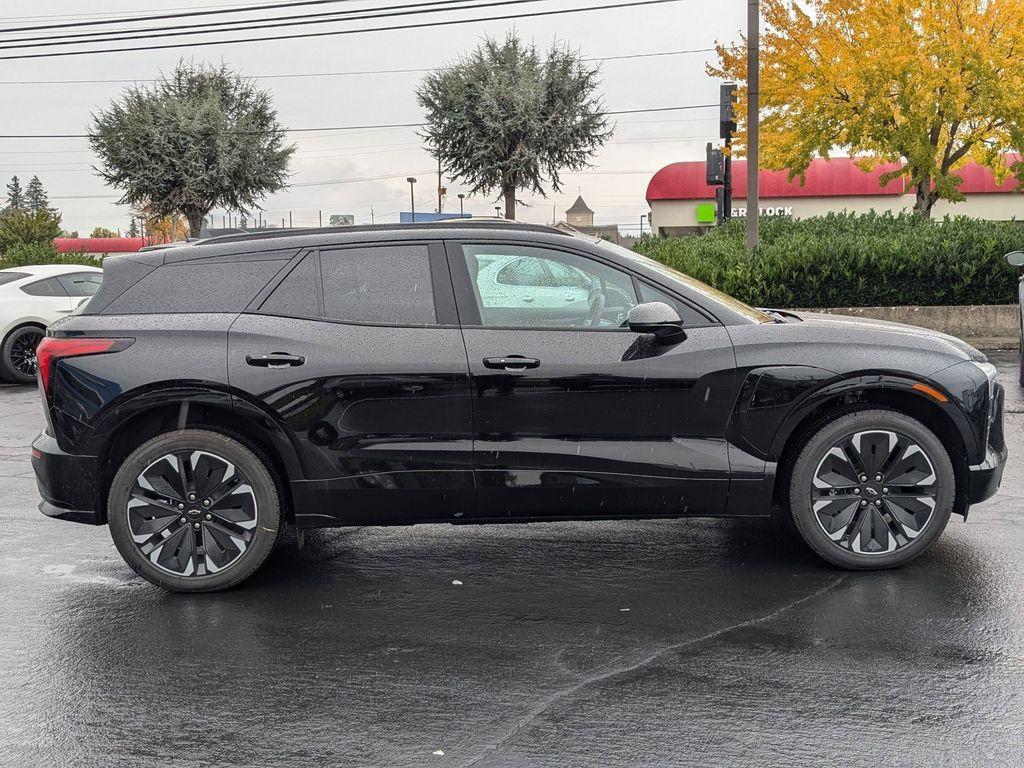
682,203
99,245
581,218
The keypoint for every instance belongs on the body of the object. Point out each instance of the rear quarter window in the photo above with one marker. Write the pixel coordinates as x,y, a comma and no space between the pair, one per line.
192,286
10,277
49,287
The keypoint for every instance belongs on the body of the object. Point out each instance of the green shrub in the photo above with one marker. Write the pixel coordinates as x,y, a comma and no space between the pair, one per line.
852,260
28,227
26,254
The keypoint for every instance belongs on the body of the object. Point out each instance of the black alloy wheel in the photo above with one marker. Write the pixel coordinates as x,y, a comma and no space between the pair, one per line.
194,511
18,363
872,489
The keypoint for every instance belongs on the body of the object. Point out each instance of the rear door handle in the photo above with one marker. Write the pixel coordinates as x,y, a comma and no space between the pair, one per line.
275,360
511,363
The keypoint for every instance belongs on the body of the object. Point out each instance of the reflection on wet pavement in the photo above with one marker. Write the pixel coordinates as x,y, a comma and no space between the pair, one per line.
621,643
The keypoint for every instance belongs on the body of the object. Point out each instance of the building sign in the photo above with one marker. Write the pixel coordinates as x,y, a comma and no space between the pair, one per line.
782,210
706,212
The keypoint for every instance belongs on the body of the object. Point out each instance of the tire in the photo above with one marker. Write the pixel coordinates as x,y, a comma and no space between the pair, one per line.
220,543
872,524
17,355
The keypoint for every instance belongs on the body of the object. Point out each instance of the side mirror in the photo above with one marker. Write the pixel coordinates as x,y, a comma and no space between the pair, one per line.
1015,258
658,318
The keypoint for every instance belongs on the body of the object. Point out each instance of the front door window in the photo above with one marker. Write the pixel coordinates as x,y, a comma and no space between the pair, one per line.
531,287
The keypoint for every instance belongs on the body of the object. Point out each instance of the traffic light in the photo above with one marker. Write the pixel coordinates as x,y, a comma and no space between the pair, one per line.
714,174
727,110
722,213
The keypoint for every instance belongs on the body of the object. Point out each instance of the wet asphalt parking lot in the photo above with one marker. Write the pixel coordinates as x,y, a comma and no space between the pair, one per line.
686,642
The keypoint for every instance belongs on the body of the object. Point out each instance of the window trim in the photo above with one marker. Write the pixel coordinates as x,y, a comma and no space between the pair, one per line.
469,301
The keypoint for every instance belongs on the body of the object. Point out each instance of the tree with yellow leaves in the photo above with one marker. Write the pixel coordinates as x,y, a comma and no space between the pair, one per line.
932,84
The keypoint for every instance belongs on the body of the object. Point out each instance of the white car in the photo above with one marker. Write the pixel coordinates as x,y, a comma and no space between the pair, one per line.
30,299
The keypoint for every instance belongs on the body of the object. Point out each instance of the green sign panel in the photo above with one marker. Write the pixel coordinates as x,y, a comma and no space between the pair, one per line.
706,213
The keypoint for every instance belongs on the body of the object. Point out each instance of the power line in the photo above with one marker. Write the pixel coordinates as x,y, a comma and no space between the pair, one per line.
359,72
329,153
345,127
162,16
331,33
245,25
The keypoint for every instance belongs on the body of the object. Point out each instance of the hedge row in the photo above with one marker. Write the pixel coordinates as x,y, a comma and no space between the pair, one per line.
852,260
27,254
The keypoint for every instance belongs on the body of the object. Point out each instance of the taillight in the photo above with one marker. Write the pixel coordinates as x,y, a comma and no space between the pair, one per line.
52,349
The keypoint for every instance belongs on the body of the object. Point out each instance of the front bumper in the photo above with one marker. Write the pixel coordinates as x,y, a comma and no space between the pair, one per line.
983,479
66,482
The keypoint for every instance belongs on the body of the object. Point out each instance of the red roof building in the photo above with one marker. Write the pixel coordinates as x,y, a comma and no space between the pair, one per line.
99,245
679,198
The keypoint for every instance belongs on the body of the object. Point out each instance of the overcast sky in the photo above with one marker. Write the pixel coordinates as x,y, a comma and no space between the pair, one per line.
614,188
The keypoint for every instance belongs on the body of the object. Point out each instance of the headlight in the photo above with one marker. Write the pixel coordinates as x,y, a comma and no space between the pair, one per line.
993,376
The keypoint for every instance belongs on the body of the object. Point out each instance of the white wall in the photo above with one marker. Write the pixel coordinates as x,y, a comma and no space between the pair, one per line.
995,206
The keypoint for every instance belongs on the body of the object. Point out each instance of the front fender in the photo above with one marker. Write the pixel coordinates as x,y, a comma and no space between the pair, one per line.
775,401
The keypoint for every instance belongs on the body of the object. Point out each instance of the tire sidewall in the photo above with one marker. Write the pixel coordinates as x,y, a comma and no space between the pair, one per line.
255,470
819,444
7,369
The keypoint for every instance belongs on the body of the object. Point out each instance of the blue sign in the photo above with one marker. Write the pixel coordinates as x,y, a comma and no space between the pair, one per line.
405,217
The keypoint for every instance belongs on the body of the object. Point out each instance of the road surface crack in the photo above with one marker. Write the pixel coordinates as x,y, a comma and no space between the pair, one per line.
600,677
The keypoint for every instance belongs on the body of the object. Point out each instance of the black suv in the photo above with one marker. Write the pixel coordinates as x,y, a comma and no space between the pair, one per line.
214,392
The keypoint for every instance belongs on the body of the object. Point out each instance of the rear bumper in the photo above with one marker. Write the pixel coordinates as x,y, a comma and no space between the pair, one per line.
66,482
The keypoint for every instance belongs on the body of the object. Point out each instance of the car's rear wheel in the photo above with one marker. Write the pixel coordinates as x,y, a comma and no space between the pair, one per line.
194,511
18,354
871,489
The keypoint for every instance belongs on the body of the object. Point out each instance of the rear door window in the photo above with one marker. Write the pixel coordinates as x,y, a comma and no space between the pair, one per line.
378,285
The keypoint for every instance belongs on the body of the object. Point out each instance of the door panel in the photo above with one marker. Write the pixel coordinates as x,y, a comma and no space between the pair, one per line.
380,416
608,422
596,429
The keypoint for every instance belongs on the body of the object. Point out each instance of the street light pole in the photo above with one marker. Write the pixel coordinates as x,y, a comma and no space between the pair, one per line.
462,211
412,197
753,85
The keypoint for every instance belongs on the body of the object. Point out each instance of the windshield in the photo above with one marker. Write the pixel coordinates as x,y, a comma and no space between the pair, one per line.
674,275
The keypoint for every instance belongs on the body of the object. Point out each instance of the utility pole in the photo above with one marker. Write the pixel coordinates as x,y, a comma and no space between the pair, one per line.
753,86
371,215
641,226
321,215
412,197
440,189
289,219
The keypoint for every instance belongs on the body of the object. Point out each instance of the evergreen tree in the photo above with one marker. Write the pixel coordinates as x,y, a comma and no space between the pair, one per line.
505,117
199,138
15,195
133,228
35,196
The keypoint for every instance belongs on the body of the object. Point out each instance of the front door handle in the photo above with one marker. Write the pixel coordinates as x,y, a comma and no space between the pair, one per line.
511,363
275,360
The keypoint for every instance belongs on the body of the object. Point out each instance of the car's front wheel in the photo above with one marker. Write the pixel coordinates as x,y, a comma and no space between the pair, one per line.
194,511
871,489
18,354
